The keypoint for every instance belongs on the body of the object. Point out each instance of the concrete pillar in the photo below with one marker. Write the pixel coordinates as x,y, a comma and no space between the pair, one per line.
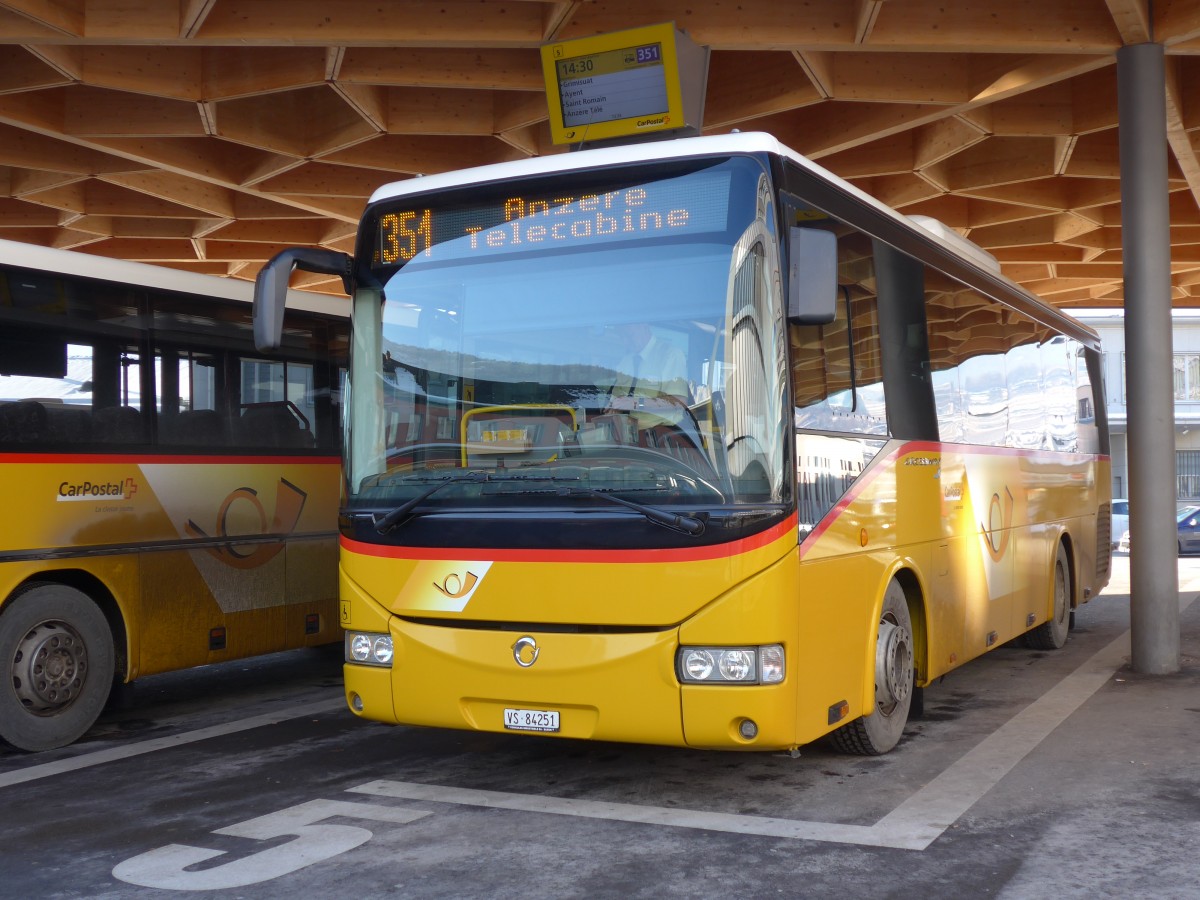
1145,240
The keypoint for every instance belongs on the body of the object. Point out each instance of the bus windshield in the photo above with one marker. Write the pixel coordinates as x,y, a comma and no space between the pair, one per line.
621,337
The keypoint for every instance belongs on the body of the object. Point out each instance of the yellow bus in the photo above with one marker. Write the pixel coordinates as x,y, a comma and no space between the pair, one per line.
171,493
694,443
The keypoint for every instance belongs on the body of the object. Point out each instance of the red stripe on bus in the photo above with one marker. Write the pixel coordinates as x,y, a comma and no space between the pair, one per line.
925,447
543,555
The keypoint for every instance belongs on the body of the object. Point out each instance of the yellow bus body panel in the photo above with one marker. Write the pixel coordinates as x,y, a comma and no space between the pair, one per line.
125,523
971,533
628,588
606,685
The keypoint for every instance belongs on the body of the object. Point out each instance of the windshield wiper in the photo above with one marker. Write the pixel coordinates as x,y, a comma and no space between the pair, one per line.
683,523
386,522
686,524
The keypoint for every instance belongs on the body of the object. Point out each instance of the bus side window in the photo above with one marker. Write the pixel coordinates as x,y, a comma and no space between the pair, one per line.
117,425
197,427
836,367
22,422
274,424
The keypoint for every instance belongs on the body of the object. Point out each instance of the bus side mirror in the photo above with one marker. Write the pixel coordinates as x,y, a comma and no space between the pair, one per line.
271,287
812,276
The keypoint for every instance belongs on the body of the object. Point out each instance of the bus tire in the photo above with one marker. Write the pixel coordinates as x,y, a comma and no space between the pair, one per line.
56,648
894,676
1052,635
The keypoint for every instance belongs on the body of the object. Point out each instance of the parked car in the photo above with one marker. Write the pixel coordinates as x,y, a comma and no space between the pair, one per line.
1187,523
1120,523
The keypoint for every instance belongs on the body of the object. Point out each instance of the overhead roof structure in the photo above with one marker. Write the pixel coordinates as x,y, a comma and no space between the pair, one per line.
208,134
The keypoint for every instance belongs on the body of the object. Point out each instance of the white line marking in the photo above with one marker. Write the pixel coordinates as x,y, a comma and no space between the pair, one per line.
920,820
621,812
913,825
125,751
940,803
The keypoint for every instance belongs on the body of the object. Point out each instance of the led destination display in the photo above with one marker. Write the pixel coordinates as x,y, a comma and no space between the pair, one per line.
694,204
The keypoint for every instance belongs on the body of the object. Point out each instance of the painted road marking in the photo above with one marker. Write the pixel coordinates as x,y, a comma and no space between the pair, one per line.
913,825
620,812
313,840
126,751
922,818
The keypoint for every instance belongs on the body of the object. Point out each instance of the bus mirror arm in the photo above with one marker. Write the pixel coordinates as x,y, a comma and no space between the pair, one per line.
271,287
812,276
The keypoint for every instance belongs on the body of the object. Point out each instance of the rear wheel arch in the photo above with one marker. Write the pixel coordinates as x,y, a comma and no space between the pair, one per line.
58,663
918,614
893,660
1052,634
100,594
1068,544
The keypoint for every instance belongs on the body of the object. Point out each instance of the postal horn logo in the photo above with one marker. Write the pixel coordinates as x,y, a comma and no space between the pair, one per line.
443,585
997,531
235,550
456,587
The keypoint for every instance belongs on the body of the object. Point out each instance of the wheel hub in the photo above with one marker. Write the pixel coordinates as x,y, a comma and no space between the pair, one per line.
49,668
893,666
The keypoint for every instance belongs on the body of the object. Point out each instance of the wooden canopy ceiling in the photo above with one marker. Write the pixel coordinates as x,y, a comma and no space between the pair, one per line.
208,134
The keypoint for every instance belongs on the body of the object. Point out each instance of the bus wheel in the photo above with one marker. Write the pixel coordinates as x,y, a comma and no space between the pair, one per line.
56,650
1052,635
880,731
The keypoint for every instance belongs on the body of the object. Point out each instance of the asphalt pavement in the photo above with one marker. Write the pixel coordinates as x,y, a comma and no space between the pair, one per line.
1056,774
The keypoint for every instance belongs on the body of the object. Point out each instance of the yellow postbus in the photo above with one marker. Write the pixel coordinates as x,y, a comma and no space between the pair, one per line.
171,493
693,443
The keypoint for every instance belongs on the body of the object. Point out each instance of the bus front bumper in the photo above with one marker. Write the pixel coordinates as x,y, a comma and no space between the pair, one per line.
617,687
593,686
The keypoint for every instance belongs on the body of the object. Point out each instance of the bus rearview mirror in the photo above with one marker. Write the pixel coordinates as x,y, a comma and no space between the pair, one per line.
812,276
271,287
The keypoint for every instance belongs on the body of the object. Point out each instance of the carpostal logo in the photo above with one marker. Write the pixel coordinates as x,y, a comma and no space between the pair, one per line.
89,491
654,123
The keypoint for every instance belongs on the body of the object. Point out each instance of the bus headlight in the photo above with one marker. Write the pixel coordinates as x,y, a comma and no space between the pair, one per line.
736,665
731,665
698,664
368,648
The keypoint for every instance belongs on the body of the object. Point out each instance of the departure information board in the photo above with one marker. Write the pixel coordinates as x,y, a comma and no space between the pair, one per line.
628,83
618,85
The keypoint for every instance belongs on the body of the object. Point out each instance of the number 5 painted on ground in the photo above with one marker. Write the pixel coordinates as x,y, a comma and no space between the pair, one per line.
165,867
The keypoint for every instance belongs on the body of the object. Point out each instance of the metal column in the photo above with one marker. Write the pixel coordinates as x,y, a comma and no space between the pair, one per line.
1145,239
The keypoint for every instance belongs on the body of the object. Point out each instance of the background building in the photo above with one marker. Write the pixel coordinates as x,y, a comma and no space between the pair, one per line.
1186,355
